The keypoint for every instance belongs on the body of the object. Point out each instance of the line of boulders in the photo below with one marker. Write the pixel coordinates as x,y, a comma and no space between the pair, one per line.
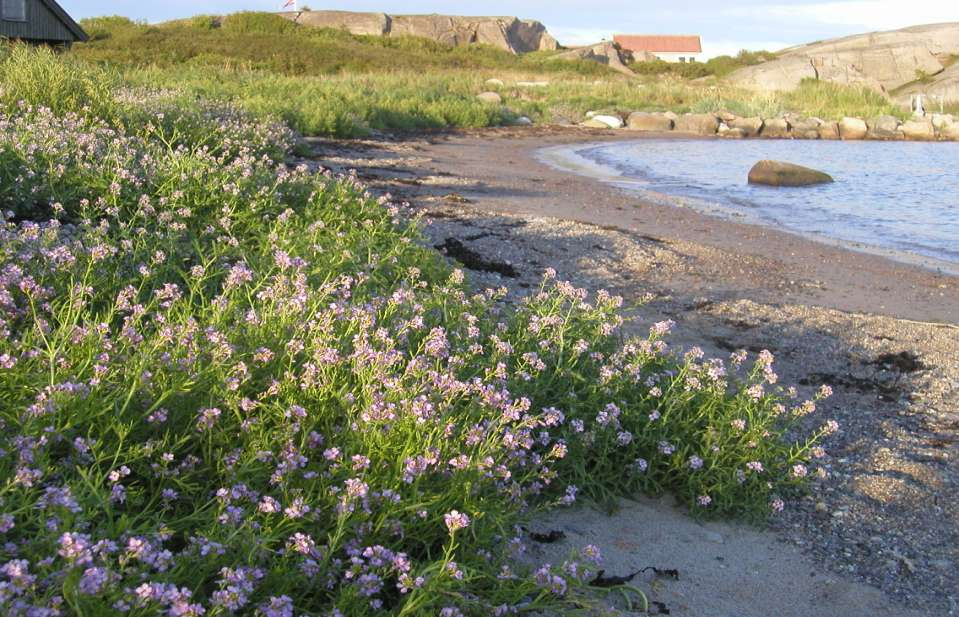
932,127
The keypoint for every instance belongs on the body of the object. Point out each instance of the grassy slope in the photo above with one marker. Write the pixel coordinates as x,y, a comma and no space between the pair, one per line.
330,82
261,41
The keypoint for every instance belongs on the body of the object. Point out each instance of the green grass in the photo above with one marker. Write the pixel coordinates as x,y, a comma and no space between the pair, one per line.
340,105
261,41
60,83
832,101
330,82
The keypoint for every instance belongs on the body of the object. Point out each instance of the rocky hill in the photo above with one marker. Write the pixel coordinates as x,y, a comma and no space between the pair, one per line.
888,62
941,87
510,33
603,52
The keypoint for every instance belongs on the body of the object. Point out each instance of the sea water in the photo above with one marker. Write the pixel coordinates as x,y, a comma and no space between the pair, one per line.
901,197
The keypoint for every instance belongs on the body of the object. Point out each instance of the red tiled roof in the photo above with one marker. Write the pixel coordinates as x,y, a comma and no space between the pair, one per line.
659,43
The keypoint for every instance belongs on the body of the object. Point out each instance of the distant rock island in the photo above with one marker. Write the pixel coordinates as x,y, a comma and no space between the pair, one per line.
515,35
919,59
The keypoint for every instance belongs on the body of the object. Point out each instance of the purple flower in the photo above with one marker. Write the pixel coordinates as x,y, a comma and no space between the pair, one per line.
278,607
302,543
456,521
239,274
436,343
93,580
75,547
207,419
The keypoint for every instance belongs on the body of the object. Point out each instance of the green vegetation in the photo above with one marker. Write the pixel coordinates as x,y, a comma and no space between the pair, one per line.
832,101
267,42
341,105
233,386
720,66
329,82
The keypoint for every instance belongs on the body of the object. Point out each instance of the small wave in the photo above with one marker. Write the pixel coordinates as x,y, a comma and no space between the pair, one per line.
886,197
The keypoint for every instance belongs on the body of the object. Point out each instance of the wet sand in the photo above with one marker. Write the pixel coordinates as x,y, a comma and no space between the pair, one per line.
880,536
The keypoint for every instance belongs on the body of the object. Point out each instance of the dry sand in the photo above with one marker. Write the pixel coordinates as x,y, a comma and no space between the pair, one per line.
880,536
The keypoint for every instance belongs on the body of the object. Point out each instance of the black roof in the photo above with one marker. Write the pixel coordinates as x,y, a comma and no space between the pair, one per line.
68,21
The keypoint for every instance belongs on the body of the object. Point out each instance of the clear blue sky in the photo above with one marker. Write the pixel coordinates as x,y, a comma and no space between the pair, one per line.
725,25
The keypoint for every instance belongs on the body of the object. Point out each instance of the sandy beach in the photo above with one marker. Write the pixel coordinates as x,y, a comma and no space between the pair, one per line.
880,535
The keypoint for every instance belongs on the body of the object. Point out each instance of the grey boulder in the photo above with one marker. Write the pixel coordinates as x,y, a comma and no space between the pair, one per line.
644,121
884,127
699,124
778,173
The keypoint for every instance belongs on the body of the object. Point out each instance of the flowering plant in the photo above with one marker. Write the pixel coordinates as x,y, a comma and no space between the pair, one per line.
230,386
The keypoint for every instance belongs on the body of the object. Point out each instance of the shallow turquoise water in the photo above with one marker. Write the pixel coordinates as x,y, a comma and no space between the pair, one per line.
898,196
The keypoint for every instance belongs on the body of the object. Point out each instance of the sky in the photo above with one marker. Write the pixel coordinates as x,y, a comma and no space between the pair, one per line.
726,26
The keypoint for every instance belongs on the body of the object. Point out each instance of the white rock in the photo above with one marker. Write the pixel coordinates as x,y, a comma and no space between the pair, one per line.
490,97
942,120
613,122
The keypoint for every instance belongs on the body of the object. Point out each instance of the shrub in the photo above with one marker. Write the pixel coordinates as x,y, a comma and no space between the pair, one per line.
39,76
204,22
251,22
719,66
101,28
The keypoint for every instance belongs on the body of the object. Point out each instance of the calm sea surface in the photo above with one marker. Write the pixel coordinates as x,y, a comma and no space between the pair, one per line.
897,196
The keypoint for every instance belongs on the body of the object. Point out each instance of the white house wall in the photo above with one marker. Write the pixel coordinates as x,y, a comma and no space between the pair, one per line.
675,57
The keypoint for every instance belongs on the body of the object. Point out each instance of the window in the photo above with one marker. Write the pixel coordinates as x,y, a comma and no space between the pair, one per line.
682,59
14,10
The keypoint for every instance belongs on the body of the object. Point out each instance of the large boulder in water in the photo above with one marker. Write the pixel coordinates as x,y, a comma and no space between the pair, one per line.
777,173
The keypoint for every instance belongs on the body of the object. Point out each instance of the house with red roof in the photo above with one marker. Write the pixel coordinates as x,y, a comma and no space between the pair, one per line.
668,47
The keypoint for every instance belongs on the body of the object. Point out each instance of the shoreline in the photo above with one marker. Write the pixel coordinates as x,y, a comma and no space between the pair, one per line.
567,158
783,267
885,518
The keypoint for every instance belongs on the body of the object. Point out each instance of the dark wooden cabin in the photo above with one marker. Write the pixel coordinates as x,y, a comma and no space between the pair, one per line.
38,21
